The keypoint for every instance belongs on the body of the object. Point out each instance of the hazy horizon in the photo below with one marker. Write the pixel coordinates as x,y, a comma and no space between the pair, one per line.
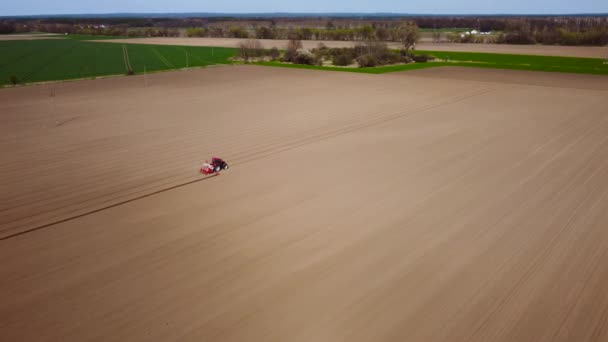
240,7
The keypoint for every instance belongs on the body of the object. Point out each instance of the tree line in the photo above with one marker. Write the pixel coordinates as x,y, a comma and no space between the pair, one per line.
363,33
563,30
369,53
531,32
89,29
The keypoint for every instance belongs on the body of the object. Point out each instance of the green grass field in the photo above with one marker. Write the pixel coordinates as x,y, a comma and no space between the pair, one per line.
480,60
62,59
523,62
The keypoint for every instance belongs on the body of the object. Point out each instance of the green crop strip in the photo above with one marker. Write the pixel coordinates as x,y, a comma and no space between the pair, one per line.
62,59
479,60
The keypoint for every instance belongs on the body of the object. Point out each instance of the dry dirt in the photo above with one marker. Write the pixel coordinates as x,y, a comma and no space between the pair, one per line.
29,36
357,208
546,79
567,51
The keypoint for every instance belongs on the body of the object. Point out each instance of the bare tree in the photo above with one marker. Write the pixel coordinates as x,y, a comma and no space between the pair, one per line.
274,53
408,35
436,37
250,48
294,44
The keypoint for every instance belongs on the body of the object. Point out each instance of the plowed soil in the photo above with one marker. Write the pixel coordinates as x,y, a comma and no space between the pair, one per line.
399,207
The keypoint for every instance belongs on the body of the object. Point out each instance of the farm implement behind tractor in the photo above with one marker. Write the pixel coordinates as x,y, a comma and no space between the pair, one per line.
215,166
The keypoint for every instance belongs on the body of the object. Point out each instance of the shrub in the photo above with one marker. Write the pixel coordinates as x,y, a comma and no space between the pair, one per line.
321,51
380,52
173,33
238,32
343,59
292,50
250,48
195,32
466,38
518,37
453,37
479,40
304,56
264,33
387,56
362,49
422,58
341,56
289,56
382,34
215,32
6,27
367,61
274,53
13,79
130,72
294,44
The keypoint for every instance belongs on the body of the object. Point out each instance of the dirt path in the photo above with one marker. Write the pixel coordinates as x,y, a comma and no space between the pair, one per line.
567,51
357,208
4,37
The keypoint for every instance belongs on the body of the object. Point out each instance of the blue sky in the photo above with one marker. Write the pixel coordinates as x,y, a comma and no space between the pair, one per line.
21,7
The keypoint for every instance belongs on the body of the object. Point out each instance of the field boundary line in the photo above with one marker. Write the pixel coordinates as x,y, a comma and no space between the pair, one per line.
47,225
101,77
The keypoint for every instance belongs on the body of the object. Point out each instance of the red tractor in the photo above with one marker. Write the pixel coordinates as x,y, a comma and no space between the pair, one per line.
215,166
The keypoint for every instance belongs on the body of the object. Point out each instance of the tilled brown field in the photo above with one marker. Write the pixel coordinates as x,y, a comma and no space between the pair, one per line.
542,50
544,79
357,208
